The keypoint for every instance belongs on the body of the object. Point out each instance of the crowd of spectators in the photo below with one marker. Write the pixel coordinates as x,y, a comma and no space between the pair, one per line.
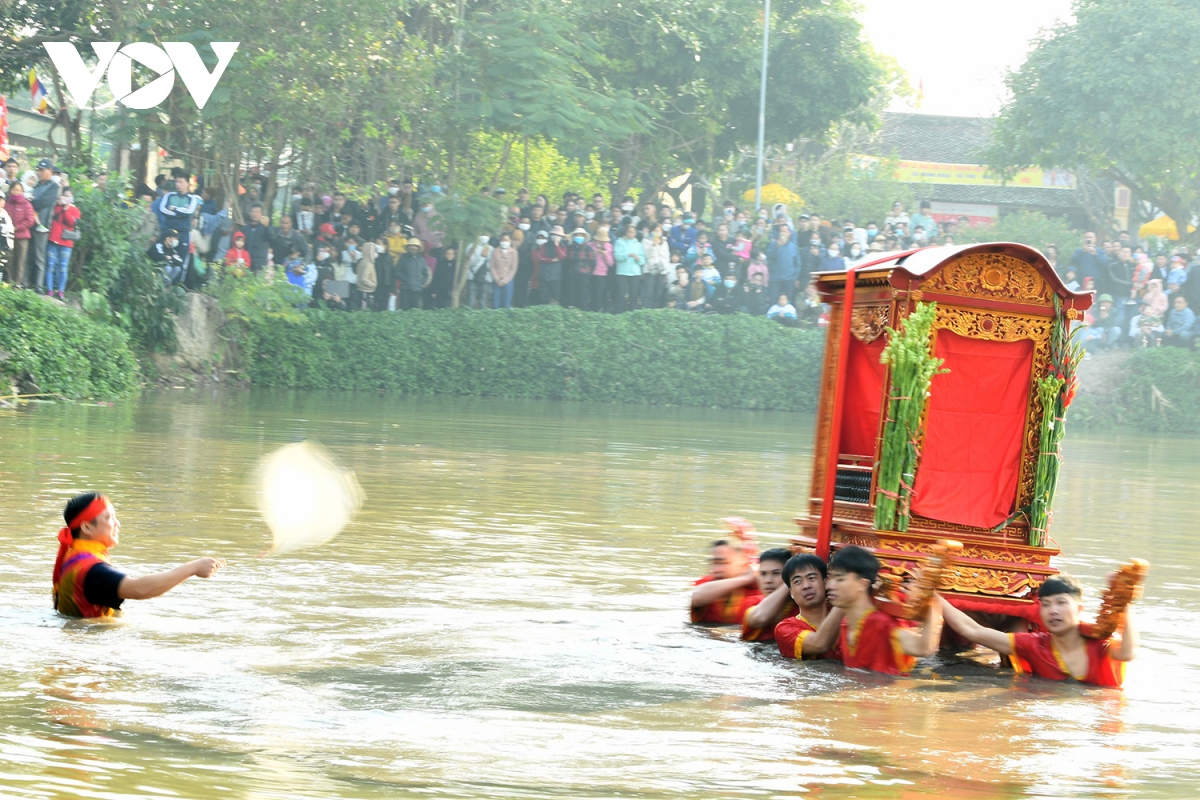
389,252
1143,298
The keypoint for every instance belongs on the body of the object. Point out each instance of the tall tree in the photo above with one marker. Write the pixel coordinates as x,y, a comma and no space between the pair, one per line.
1112,92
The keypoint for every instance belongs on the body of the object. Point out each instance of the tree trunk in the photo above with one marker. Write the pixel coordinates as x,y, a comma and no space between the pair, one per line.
504,154
460,277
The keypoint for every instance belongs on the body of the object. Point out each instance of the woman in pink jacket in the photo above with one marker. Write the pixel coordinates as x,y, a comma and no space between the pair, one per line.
604,264
21,211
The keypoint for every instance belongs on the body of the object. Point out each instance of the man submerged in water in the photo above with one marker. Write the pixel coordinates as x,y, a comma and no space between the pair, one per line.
872,639
729,590
758,625
85,584
1061,652
813,631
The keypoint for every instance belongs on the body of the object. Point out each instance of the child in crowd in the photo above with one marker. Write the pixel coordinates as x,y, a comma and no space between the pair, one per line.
237,258
783,310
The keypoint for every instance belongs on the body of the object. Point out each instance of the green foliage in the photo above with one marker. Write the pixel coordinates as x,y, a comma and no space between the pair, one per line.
550,172
1157,389
835,187
119,281
656,357
63,351
1024,227
1111,92
252,300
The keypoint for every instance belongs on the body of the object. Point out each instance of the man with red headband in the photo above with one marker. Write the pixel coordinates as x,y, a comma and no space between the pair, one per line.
85,585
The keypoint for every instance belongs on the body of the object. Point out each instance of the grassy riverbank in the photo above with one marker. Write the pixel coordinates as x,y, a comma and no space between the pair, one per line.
1140,390
655,357
48,348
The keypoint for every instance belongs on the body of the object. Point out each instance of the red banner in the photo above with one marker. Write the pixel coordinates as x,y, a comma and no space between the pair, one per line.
3,128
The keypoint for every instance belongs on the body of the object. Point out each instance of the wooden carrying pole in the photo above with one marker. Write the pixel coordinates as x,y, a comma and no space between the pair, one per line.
825,524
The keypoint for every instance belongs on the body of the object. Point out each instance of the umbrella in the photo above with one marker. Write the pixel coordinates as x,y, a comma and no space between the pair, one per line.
1161,226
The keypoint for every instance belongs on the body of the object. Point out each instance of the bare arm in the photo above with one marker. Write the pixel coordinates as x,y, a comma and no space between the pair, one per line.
768,609
973,631
1129,637
709,592
924,641
160,583
826,635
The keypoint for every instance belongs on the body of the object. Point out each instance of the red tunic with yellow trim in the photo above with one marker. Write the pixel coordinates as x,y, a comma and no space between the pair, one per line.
876,644
767,632
728,610
790,635
1035,653
69,595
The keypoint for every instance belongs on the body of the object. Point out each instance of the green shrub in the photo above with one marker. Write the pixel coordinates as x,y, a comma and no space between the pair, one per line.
657,357
63,351
1160,390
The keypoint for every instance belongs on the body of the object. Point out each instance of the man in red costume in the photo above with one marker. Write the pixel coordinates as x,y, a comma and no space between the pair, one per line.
813,632
729,590
85,584
872,639
1062,652
758,625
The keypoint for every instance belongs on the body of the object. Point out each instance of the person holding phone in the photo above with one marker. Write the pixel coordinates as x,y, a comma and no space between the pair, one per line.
64,232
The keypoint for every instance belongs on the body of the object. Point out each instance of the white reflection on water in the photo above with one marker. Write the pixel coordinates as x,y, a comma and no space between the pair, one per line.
506,618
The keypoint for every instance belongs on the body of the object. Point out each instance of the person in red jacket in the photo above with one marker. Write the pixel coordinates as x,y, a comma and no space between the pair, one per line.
729,590
63,233
872,639
812,632
237,258
1061,652
24,218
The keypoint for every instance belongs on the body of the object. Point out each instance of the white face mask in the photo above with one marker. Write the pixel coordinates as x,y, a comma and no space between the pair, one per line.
483,240
627,207
505,245
393,190
524,226
589,215
297,197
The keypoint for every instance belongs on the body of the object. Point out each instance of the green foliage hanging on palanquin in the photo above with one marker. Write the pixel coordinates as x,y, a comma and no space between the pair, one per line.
912,366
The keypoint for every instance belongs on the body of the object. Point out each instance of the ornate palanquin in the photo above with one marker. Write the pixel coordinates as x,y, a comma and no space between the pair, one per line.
995,306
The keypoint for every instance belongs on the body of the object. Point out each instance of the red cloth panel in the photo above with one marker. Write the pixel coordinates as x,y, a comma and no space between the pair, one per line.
976,416
864,398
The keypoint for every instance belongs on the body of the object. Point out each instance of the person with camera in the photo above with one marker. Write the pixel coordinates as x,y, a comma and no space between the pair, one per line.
64,232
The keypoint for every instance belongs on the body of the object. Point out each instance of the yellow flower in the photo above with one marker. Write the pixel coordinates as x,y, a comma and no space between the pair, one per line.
773,193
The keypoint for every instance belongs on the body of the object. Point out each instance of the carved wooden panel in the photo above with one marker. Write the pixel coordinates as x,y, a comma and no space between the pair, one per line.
867,323
996,276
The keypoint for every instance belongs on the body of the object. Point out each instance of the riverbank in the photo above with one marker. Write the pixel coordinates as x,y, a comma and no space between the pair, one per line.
545,352
48,349
1154,390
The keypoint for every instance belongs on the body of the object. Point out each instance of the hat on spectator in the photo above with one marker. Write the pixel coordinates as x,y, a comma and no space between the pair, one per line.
601,234
239,235
45,163
327,230
326,200
413,242
557,231
406,230
876,247
1105,298
579,232
541,235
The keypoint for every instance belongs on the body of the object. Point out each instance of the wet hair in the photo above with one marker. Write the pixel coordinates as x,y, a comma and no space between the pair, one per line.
799,562
857,560
1061,583
75,505
779,555
736,545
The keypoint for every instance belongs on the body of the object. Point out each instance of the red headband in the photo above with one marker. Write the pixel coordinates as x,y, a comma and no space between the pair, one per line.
65,539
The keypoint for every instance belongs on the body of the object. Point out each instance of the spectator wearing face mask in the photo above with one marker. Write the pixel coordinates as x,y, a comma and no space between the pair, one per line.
630,257
168,255
856,256
427,227
502,264
832,260
549,251
479,278
602,270
726,297
63,234
925,220
683,236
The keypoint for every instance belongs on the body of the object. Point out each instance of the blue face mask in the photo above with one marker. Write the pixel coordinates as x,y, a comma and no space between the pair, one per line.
578,240
729,284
